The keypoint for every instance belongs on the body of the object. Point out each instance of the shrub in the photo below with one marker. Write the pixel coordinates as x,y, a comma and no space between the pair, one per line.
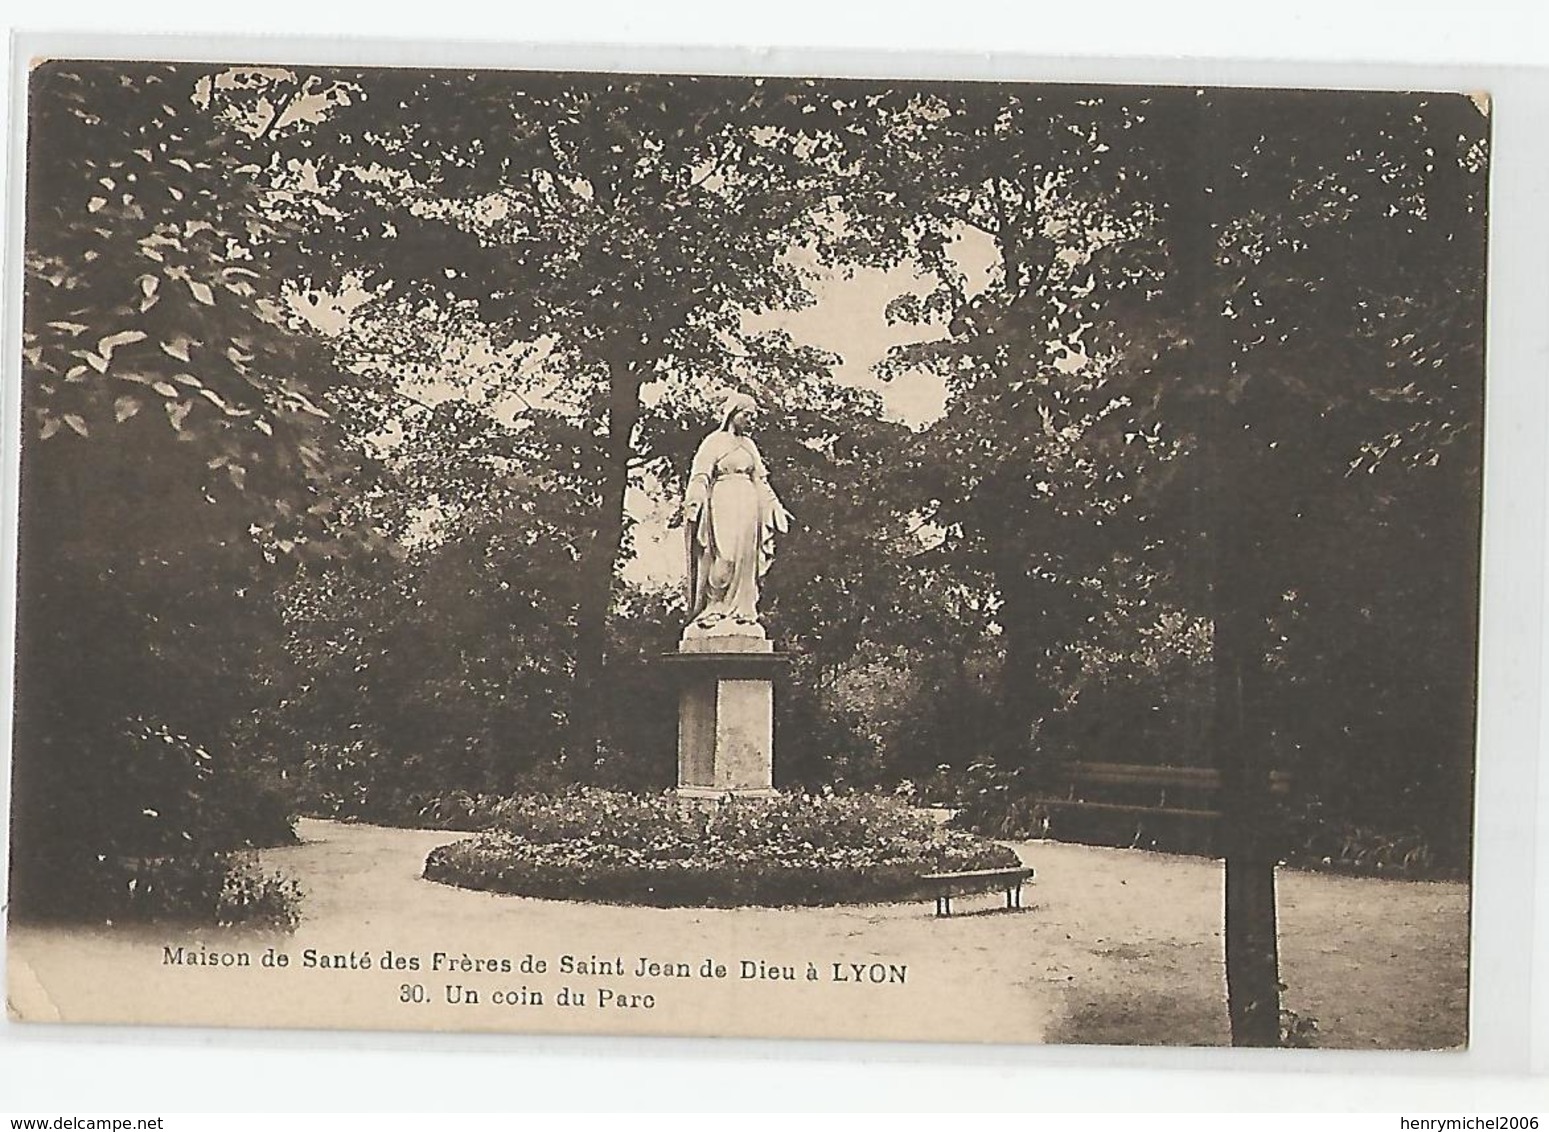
341,781
656,849
249,895
458,810
156,794
218,888
1297,1031
175,796
1319,839
992,801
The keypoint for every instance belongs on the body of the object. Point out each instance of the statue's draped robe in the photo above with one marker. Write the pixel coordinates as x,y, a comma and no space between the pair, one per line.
731,540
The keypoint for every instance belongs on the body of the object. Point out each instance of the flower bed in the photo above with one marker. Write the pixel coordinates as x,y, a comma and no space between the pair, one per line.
629,849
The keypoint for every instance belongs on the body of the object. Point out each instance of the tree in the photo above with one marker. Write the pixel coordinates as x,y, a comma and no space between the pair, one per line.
625,223
1265,296
447,666
1031,476
174,455
1326,257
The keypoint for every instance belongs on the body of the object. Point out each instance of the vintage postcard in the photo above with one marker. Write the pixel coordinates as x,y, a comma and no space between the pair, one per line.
738,556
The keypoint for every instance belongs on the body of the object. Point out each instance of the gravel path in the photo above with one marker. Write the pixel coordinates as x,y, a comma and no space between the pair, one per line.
1114,946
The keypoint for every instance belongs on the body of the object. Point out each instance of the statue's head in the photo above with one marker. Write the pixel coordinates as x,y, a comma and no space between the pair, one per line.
738,412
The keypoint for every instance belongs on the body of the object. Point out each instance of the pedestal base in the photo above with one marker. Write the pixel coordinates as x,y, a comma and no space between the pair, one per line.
725,717
701,794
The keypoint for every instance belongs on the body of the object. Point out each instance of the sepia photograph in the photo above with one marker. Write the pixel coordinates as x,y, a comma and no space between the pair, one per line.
732,556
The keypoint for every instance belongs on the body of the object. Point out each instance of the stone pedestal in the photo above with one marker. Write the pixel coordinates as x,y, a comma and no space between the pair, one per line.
725,715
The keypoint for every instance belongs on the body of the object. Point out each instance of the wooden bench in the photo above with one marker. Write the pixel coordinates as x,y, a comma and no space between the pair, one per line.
1147,792
946,884
1199,786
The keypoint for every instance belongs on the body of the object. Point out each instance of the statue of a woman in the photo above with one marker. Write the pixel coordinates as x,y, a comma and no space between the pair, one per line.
731,516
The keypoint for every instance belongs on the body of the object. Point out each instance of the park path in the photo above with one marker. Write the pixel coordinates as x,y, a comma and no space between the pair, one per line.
963,979
1117,946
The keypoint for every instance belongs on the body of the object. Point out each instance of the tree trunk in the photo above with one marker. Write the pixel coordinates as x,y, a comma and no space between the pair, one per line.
597,569
1241,753
1240,749
1026,686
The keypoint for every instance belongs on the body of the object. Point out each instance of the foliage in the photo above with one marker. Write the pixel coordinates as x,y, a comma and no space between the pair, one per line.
147,294
1032,474
460,810
175,461
347,393
153,794
201,888
1331,420
249,895
657,849
994,801
615,238
1318,838
1297,1031
453,673
1171,390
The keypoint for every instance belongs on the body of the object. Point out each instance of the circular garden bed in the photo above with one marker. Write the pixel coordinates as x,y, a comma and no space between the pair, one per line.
657,850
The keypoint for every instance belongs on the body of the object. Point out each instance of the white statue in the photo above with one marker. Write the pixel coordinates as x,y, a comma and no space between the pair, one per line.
731,516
